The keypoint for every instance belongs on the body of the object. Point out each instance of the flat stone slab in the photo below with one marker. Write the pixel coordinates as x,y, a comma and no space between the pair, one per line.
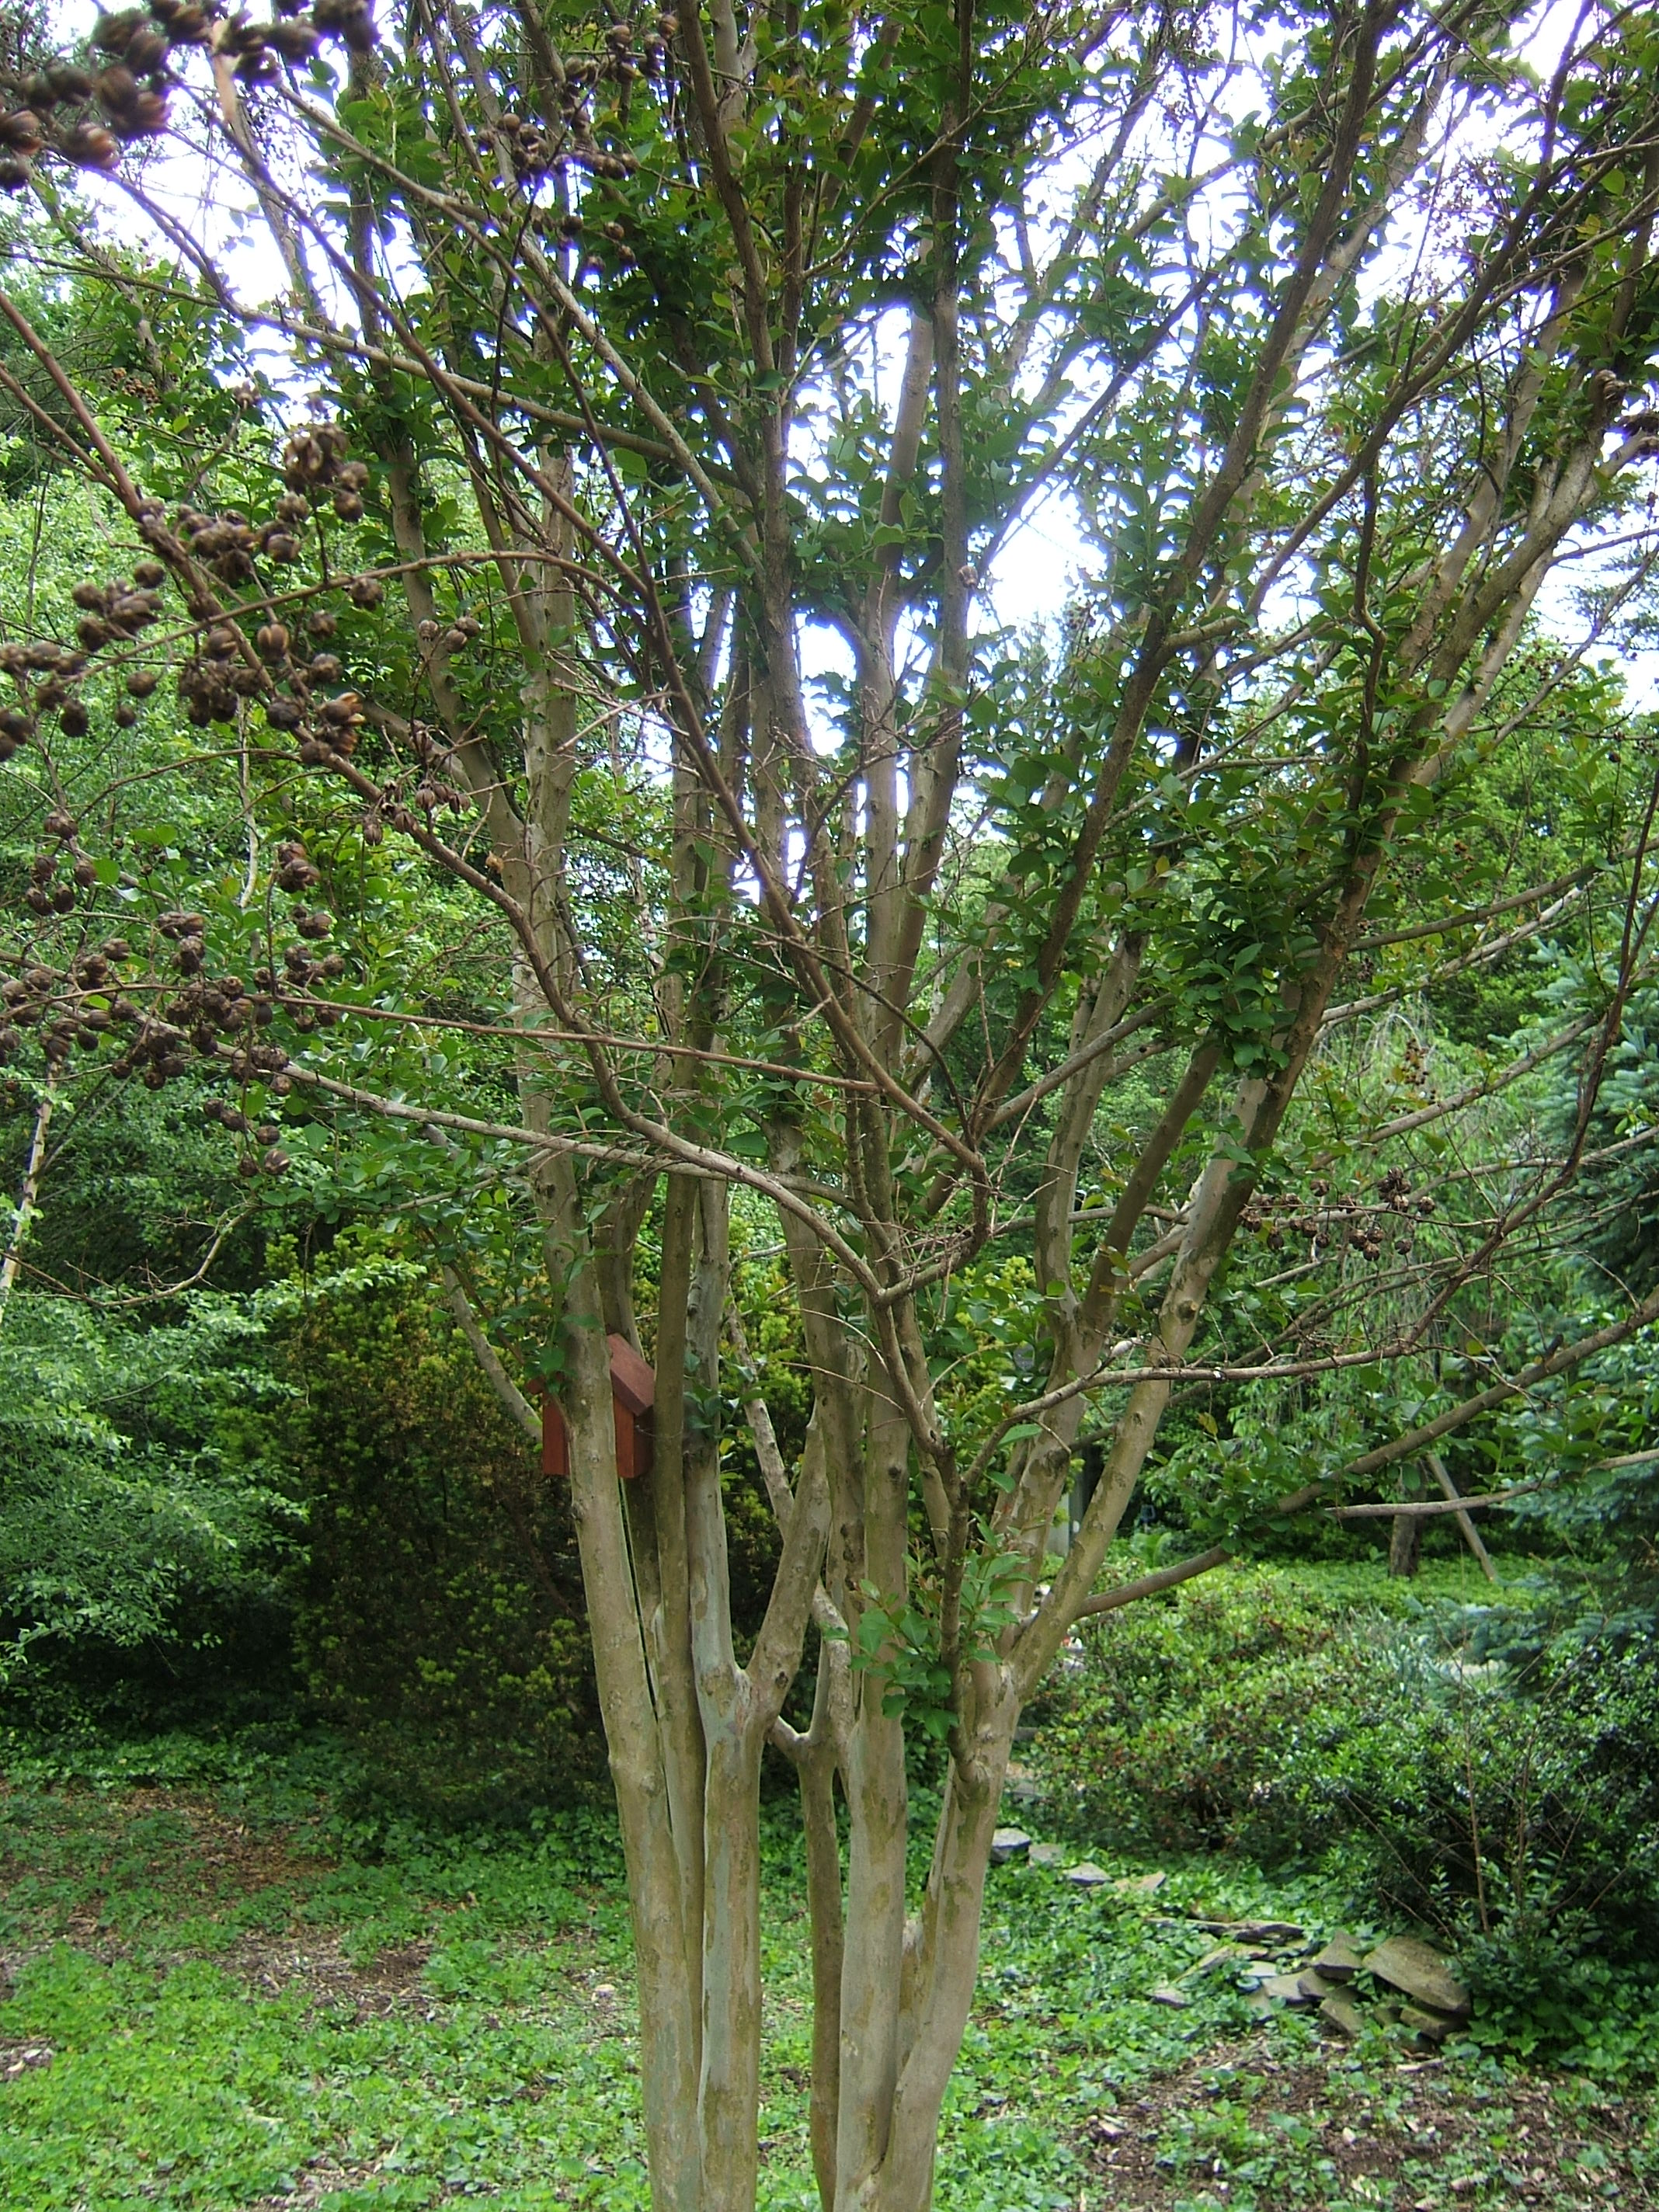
1046,1855
1405,1964
1424,2020
1008,1842
1087,1875
1287,1988
1315,1986
1222,1953
1339,1960
1166,1993
1141,1885
1343,2015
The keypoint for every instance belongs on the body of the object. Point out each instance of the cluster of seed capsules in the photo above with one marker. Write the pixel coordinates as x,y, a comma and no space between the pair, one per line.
533,149
164,1026
1342,1217
86,112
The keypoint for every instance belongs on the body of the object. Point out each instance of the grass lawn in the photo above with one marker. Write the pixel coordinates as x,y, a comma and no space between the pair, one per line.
212,2002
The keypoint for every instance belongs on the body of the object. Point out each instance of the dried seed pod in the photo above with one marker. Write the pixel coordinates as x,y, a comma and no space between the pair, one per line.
295,42
272,640
150,575
278,545
116,89
60,824
88,597
317,923
89,146
284,713
85,872
13,172
348,506
73,719
93,632
141,682
112,35
67,81
321,622
15,726
37,900
326,668
20,131
126,716
147,51
366,591
295,870
62,900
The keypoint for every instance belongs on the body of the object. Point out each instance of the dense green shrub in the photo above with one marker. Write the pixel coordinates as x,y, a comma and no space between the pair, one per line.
147,1530
439,1622
1515,1807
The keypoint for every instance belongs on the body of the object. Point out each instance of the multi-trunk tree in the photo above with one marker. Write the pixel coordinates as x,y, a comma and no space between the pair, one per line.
680,387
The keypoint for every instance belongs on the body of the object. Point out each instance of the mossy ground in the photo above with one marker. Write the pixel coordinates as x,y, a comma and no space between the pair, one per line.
218,1999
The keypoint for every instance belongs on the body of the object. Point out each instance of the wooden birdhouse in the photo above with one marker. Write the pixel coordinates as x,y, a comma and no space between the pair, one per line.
633,1393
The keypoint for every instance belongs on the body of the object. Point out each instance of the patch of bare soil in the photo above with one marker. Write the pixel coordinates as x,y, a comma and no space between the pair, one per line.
1239,2128
368,1989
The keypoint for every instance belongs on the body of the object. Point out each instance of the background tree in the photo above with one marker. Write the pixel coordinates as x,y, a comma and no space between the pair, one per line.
677,382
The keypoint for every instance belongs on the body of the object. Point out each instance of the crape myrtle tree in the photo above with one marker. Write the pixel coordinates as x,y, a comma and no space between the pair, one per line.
634,410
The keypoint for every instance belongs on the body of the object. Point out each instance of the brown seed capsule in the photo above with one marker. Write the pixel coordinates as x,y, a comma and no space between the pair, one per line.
126,716
112,35
15,726
284,713
295,42
67,81
272,640
89,146
348,506
117,89
147,51
142,682
20,131
62,900
326,667
321,622
85,872
73,719
280,547
13,172
365,591
150,575
93,632
116,948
